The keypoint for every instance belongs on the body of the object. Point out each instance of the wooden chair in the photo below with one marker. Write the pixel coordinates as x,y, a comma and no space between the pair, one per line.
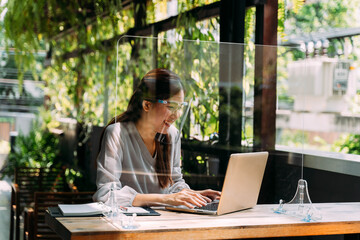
35,226
12,213
27,181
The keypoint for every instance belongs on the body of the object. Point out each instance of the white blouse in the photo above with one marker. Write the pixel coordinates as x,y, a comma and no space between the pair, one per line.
125,161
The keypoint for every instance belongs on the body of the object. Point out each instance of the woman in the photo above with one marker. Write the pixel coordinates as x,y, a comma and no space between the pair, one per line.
139,151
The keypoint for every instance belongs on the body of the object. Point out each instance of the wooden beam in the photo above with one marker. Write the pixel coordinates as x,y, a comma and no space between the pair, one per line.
265,75
232,30
140,21
201,13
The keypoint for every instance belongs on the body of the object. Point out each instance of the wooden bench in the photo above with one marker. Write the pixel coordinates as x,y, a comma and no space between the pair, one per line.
27,181
34,224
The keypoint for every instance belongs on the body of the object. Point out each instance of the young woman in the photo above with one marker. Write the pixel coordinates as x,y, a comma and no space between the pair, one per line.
140,152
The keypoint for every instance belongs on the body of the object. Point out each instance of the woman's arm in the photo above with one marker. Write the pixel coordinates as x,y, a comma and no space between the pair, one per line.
185,197
109,168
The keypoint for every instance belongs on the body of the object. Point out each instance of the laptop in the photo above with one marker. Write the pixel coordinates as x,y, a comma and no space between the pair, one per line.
241,186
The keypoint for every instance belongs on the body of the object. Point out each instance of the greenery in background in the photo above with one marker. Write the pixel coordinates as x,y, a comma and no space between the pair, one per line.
37,149
295,138
305,19
76,86
64,29
320,16
79,83
301,140
196,63
349,143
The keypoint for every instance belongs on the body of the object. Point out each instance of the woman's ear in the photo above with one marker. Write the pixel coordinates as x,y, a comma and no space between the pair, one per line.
146,105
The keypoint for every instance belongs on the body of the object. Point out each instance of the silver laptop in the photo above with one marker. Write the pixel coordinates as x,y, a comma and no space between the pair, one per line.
241,186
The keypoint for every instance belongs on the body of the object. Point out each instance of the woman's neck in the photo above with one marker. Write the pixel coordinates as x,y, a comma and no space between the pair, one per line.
147,135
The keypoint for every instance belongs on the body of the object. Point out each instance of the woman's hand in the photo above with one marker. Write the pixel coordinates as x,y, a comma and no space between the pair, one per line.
187,197
210,194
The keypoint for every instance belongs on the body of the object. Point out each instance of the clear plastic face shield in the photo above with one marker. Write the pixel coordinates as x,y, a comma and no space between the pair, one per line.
172,116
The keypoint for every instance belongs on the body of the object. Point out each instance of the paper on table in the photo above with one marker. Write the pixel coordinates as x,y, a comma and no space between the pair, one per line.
134,210
86,209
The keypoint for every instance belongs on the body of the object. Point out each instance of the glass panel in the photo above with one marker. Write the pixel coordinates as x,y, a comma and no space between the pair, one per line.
210,69
317,99
229,89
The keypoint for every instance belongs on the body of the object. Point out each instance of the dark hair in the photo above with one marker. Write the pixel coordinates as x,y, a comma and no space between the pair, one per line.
157,84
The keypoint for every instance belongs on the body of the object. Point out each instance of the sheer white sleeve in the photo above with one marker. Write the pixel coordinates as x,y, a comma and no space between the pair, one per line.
109,168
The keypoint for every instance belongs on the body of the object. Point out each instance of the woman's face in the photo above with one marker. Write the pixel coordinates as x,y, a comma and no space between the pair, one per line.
163,114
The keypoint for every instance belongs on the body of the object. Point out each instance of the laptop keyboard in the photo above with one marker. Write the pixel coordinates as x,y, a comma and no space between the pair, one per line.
213,206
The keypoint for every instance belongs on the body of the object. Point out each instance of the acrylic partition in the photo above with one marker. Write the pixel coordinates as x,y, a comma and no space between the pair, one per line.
243,98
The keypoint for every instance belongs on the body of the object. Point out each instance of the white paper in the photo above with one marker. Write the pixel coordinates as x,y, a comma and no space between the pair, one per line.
134,210
81,209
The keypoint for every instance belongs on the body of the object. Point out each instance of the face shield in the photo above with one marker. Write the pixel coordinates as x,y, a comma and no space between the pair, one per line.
171,120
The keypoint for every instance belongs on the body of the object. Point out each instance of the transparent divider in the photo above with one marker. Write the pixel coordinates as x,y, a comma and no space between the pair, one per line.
244,97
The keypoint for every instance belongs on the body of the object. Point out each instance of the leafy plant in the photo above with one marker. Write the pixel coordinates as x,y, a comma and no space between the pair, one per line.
37,149
348,144
196,62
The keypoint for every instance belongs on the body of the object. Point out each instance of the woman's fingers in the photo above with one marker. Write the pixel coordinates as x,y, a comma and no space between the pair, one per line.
191,198
210,193
207,199
196,199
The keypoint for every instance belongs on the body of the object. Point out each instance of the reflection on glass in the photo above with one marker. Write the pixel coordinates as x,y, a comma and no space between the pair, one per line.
317,102
316,96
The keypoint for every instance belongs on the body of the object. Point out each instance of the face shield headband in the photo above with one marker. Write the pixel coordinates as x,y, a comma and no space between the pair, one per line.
176,114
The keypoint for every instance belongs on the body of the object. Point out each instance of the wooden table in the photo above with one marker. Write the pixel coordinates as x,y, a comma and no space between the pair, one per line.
258,222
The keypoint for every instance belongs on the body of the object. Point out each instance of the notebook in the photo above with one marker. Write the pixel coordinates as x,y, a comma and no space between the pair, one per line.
87,209
97,209
241,186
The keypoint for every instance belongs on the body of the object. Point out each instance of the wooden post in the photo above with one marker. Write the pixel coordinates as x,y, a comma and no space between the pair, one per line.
232,29
140,21
265,75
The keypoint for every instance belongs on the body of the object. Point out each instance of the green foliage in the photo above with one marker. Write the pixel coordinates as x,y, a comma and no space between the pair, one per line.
292,138
78,87
320,15
281,18
37,149
192,53
314,17
284,8
348,144
60,28
72,175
